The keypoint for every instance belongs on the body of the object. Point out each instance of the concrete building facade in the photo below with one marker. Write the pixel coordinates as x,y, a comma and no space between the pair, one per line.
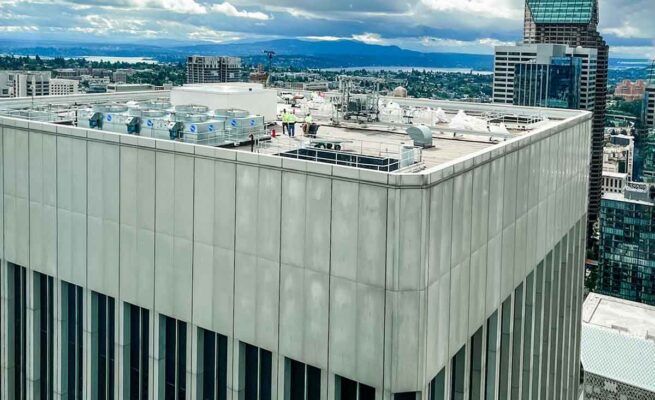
63,87
630,91
152,269
24,84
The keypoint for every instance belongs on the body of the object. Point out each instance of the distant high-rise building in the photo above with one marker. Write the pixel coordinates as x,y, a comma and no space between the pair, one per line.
204,69
575,23
626,268
545,75
649,99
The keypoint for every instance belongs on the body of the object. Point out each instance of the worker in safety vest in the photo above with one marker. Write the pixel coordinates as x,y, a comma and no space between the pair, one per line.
292,125
307,124
285,122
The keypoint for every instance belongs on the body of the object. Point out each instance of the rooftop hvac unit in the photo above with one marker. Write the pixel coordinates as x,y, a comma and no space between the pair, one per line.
421,135
133,125
153,113
95,122
176,130
191,109
159,105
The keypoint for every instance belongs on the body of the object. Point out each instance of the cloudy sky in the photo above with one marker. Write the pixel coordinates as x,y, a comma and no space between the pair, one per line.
472,26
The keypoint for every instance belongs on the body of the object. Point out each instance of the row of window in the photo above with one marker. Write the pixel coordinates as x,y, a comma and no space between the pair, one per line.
499,352
303,381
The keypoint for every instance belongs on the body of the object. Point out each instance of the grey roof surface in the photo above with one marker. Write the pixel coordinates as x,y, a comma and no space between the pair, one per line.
618,340
619,357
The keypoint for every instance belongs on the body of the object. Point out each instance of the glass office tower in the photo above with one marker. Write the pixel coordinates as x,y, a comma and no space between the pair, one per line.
575,23
627,242
554,85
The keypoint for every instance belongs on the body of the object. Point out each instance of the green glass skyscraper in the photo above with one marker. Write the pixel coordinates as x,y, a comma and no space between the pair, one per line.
575,23
627,244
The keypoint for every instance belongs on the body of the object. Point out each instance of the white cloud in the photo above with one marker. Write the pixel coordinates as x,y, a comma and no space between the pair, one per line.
231,11
640,52
624,31
501,9
210,35
14,29
177,6
369,38
324,38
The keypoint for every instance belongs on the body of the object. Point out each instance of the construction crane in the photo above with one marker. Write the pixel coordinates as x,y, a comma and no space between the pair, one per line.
269,55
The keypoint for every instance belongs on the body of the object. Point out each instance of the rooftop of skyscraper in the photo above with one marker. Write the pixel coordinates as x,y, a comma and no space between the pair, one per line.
455,130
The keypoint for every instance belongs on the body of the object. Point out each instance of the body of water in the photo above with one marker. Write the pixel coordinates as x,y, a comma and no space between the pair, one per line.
131,60
409,69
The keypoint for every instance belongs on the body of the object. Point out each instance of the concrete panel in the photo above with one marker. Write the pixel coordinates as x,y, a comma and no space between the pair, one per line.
256,301
137,227
72,210
357,331
268,215
174,235
317,229
371,235
304,305
103,218
345,214
213,269
16,202
407,343
43,203
2,197
257,268
408,266
294,223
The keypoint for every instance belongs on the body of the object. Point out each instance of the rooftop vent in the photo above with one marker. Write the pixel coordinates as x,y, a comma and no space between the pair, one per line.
421,135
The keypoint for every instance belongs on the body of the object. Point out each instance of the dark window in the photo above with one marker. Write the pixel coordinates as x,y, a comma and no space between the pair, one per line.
347,389
103,338
405,396
438,386
476,365
72,305
313,383
17,331
136,350
492,356
257,372
366,392
174,358
304,381
213,379
458,371
43,358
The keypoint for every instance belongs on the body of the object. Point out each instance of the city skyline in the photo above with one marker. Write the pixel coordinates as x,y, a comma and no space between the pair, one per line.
427,25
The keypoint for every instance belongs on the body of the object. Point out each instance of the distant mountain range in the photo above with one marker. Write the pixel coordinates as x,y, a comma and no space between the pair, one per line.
289,53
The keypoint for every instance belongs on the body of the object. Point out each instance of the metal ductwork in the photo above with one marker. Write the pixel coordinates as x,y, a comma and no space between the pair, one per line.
421,135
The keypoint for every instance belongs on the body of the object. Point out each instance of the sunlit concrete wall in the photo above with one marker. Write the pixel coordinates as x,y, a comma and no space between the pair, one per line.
375,277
